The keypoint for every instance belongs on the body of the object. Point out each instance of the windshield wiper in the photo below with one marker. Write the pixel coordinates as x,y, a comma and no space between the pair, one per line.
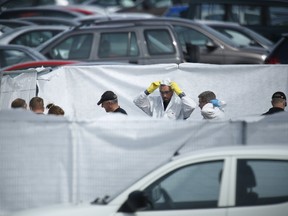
100,201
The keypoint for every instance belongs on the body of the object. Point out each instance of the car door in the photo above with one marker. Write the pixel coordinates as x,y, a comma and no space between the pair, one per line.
209,52
261,187
195,189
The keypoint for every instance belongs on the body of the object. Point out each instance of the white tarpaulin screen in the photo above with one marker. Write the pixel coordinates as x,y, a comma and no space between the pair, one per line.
49,159
247,89
18,86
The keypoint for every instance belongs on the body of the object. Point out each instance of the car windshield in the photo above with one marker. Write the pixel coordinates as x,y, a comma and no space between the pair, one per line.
259,37
220,36
243,36
108,198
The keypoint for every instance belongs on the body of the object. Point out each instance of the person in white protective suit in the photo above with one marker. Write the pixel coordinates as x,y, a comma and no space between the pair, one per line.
167,104
211,108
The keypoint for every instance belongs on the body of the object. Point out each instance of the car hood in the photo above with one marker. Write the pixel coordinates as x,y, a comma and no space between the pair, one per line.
71,210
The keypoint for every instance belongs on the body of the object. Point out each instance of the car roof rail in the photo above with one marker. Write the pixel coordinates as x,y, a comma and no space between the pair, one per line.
83,23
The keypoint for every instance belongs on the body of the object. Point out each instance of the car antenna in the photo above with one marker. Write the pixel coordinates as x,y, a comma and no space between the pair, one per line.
177,152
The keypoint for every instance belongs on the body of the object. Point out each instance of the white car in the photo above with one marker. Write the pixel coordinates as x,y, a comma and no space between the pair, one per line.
223,181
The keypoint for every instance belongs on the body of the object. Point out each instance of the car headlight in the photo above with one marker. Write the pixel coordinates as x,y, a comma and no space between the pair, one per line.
263,57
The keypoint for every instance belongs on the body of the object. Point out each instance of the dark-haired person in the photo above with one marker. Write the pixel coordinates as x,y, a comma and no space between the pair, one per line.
211,107
19,103
278,102
54,109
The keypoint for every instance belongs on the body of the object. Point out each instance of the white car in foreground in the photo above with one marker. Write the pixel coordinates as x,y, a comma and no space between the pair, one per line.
223,181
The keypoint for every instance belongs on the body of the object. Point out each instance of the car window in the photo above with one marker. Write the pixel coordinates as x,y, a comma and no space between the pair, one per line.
210,12
118,44
238,37
246,15
34,38
191,36
159,42
190,187
11,57
261,182
243,14
278,16
73,47
109,3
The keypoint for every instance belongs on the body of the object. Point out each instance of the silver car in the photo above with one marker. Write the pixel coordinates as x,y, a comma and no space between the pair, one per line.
14,54
31,36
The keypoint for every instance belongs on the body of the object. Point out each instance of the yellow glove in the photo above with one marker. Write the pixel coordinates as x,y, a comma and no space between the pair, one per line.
153,86
174,86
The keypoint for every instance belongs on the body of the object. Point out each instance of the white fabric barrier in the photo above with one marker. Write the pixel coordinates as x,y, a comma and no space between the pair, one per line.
247,89
17,86
49,159
46,159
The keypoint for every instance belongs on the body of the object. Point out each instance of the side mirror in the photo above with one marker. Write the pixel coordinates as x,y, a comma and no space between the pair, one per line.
136,200
211,45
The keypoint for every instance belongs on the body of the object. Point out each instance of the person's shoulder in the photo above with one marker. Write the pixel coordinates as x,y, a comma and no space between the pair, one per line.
120,110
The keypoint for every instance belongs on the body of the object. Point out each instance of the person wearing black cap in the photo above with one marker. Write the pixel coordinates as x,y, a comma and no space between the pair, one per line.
109,102
278,103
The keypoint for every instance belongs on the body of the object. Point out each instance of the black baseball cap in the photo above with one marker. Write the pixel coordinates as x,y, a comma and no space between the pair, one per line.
106,96
279,95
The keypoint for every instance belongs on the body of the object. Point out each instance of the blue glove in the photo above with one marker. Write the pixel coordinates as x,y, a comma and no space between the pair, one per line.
216,102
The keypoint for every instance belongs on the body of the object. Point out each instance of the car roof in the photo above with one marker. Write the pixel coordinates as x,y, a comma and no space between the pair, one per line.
43,20
171,20
113,16
15,23
40,11
239,150
39,27
218,23
24,29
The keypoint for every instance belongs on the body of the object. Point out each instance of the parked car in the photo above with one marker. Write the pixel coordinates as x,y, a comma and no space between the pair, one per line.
11,4
14,54
31,36
44,20
111,6
202,43
267,17
15,23
35,64
111,16
240,34
223,181
155,7
4,29
49,11
127,42
278,55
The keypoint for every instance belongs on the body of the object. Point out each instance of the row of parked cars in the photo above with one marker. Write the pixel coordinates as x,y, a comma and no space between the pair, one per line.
130,38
